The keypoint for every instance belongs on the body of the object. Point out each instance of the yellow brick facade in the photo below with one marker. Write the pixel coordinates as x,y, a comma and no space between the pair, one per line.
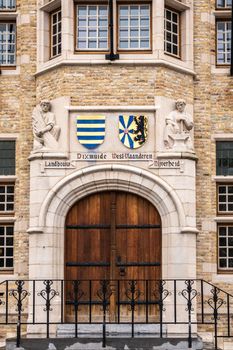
208,91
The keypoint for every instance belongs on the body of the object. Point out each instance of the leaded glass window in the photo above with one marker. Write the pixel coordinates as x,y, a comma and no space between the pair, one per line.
56,33
225,198
224,158
7,157
134,27
7,44
92,27
224,3
171,32
225,247
223,42
7,4
6,246
7,197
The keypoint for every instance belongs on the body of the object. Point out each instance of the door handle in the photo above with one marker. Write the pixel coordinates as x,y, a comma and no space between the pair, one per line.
122,269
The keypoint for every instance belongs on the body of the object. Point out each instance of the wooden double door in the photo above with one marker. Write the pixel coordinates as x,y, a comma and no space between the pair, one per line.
111,235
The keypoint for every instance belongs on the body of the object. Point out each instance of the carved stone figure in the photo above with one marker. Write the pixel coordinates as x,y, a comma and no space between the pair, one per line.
177,130
46,132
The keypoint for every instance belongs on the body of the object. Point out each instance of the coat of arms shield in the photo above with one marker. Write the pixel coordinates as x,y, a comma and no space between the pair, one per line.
91,130
133,130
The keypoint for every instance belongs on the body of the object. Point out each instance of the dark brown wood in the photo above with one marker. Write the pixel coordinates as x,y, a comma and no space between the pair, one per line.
105,231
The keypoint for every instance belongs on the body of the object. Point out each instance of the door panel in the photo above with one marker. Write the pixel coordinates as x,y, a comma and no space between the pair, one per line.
111,235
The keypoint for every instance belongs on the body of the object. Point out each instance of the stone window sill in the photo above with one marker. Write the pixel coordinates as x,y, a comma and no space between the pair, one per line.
50,6
221,178
182,6
54,64
8,15
222,13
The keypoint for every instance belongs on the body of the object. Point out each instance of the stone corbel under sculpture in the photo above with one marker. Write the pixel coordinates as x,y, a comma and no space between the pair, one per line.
45,131
177,132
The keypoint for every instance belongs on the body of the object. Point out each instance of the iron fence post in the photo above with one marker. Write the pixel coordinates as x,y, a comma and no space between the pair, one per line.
189,294
19,295
77,293
215,302
104,294
48,294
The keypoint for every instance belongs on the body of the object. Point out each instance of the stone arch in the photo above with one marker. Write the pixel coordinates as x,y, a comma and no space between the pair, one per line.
112,177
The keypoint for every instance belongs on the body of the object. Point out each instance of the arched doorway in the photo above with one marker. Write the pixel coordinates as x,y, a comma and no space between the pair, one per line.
111,235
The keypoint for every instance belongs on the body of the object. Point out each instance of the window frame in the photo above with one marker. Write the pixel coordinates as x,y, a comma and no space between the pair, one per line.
10,66
7,212
6,269
134,51
91,51
13,141
179,13
223,213
216,158
216,42
222,8
223,270
9,9
51,56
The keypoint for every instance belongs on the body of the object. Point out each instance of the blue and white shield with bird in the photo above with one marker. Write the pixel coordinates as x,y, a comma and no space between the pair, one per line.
133,130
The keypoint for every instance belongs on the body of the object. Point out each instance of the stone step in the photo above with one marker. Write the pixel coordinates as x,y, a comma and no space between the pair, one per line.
111,344
121,330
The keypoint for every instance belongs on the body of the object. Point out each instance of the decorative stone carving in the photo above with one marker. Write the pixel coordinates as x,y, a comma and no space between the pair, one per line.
177,135
46,132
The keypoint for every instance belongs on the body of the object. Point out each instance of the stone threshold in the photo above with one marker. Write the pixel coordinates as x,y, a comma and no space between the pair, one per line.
111,344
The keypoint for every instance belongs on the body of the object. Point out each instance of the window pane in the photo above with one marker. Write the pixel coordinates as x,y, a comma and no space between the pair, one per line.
145,44
9,241
82,33
103,11
134,27
9,207
134,10
9,263
222,231
82,10
144,10
9,230
223,252
222,242
222,262
123,44
222,198
103,44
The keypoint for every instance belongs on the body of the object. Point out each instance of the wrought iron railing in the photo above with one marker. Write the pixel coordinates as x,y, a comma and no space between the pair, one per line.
185,302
